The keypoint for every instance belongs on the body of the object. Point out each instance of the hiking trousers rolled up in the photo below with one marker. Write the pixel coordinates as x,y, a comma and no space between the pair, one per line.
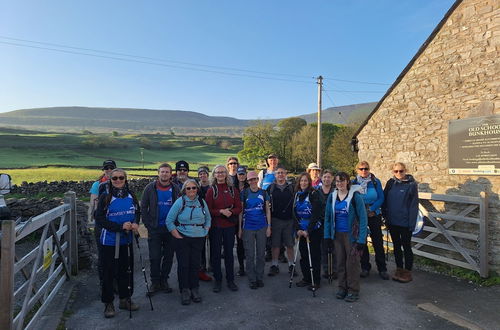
220,237
348,266
117,269
188,252
315,238
401,237
375,224
255,252
161,254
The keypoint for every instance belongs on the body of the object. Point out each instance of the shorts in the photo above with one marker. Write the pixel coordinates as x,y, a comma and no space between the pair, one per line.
281,233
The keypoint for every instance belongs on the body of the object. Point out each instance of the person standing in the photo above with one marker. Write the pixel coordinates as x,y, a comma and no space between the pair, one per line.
324,192
266,176
345,227
157,200
315,172
241,174
232,165
400,210
307,214
223,201
118,215
255,226
281,195
204,184
181,173
373,196
189,222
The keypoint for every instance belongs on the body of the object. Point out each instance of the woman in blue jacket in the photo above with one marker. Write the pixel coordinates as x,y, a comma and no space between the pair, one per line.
118,215
373,196
189,221
345,227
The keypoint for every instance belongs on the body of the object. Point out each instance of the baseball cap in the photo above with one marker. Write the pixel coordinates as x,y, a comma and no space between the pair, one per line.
252,175
181,164
241,170
108,163
313,166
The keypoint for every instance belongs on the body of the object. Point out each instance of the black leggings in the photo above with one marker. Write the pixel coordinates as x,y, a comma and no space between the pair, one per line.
117,269
401,236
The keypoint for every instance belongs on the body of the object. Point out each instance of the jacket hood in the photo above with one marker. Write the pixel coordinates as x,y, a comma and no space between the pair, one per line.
409,178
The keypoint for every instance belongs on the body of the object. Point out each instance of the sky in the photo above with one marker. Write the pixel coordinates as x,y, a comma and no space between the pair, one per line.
244,59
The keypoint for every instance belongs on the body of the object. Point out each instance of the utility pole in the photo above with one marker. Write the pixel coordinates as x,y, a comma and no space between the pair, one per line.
318,148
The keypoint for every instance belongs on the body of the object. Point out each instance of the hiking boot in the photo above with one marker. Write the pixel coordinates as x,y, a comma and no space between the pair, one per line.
185,297
253,285
241,272
273,270
260,283
232,286
341,294
364,273
217,286
155,287
203,276
109,310
405,276
352,297
397,274
195,295
290,269
127,304
302,283
165,287
383,275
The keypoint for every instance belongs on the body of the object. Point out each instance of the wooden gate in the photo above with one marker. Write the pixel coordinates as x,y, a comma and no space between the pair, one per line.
51,263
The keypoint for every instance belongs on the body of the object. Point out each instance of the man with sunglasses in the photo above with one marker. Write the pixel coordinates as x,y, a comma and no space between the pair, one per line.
232,167
157,200
181,173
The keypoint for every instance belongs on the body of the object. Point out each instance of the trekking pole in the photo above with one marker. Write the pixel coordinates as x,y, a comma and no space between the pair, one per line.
129,272
310,266
330,267
294,262
144,271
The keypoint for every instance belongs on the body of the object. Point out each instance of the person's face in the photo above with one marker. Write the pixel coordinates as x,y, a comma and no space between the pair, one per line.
327,179
182,173
315,174
340,184
253,182
118,179
220,174
191,190
399,172
164,174
203,176
304,183
363,170
273,162
232,165
107,170
242,177
280,175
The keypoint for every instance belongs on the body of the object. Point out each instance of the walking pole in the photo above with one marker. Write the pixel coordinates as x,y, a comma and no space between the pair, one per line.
330,267
294,262
129,272
144,271
310,266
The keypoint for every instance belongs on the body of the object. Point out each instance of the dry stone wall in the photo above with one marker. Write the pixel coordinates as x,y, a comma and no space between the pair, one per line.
456,77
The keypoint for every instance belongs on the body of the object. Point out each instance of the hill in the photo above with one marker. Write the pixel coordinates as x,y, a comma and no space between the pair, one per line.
343,114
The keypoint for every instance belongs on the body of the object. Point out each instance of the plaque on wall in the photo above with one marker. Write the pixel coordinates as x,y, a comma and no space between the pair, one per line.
474,146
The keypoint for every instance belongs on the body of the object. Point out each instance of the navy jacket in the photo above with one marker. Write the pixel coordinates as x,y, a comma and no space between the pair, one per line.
400,206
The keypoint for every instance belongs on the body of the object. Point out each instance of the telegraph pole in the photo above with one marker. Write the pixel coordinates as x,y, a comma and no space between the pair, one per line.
318,148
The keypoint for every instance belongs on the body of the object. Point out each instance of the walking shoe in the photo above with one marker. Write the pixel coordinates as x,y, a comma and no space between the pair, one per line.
397,274
232,286
217,286
364,273
290,269
203,276
253,285
352,297
302,283
185,297
260,283
341,294
155,287
241,272
109,310
165,287
273,270
127,304
195,295
315,287
383,275
405,276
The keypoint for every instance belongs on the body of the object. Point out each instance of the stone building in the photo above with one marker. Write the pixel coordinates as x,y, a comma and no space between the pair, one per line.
454,75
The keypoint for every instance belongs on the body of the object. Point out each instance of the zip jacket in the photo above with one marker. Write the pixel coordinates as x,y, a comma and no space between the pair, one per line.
191,218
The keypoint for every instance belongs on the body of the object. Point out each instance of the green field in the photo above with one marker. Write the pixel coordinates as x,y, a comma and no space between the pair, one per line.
80,156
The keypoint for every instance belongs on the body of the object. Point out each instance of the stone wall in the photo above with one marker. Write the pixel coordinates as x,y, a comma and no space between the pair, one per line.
457,76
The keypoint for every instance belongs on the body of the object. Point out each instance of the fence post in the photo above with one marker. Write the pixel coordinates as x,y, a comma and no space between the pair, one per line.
7,274
70,198
483,236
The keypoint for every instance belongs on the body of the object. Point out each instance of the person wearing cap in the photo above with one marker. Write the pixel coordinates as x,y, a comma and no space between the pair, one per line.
204,183
203,180
315,172
157,200
255,227
266,176
181,173
241,174
232,166
100,185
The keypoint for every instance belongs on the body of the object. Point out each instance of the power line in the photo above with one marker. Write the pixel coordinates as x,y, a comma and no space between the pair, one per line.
343,91
358,82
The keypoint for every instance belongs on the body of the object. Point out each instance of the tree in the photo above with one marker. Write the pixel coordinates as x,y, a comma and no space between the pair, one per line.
257,142
340,153
287,128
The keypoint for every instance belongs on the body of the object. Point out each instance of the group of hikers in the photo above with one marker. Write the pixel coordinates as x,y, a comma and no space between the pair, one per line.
325,216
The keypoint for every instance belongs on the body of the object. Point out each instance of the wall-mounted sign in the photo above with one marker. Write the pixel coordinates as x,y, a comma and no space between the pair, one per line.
474,146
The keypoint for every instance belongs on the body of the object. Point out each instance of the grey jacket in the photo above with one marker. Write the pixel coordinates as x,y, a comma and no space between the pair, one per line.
149,204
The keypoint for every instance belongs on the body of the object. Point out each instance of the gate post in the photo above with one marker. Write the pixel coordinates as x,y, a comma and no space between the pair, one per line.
483,236
7,274
70,198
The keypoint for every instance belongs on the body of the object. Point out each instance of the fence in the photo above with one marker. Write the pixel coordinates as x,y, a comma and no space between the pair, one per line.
51,263
446,239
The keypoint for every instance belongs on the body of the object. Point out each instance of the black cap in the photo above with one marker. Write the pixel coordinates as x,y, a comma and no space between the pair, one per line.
108,163
181,164
241,170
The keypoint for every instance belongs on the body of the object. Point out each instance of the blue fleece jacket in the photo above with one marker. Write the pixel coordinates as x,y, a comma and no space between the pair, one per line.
374,196
356,211
401,202
194,220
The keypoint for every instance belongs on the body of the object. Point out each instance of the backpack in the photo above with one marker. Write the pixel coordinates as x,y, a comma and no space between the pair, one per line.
5,183
215,191
202,205
272,188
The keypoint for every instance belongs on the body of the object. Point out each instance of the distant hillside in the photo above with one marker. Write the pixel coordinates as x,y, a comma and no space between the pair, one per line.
348,114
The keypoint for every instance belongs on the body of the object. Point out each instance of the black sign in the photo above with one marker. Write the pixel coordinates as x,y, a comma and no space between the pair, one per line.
474,146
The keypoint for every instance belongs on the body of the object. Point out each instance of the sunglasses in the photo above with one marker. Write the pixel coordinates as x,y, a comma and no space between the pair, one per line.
232,163
182,170
363,169
121,178
191,188
399,171
108,168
